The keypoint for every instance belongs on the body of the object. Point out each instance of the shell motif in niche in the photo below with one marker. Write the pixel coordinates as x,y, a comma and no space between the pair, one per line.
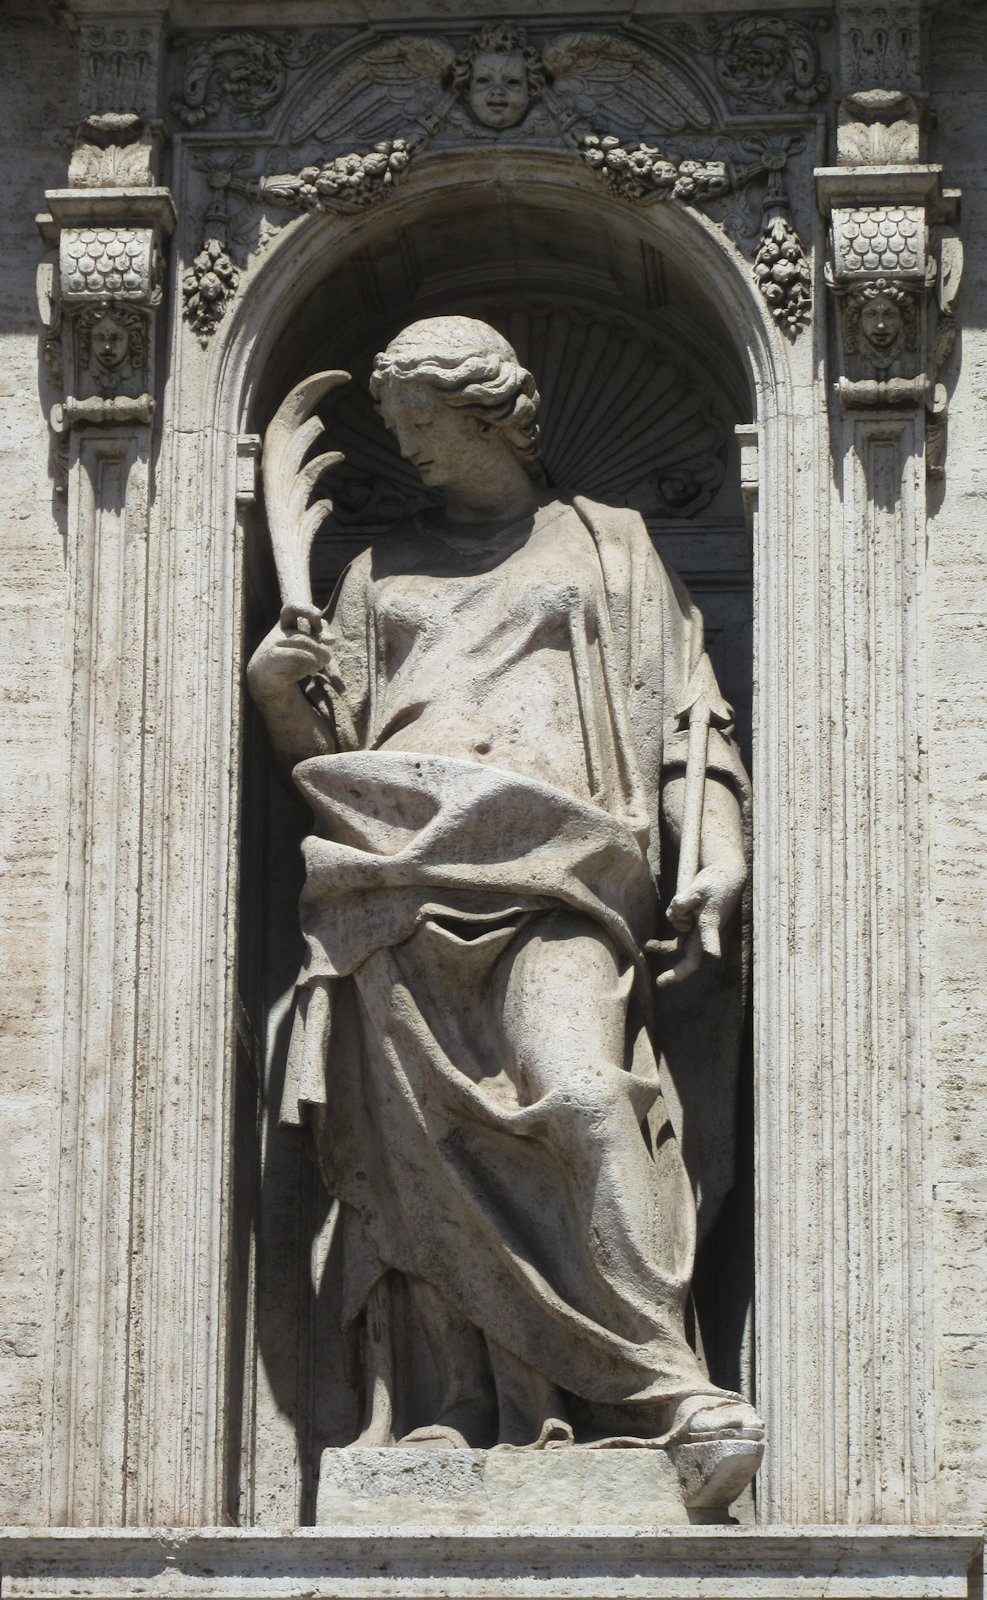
620,422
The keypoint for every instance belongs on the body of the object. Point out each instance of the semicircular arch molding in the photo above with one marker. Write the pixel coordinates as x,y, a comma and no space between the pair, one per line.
701,295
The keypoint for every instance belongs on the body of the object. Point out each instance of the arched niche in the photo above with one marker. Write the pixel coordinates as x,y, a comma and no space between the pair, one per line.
660,297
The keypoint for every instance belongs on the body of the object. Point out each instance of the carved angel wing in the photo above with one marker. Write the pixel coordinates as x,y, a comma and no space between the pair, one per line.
614,82
382,94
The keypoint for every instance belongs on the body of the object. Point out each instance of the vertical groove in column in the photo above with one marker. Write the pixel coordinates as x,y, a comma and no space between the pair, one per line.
888,1337
93,1241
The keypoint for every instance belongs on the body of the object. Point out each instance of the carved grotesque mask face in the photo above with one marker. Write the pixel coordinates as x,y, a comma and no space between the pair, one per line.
880,322
110,343
499,94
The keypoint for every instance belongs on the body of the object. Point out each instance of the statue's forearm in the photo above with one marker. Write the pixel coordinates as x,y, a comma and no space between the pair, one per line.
294,727
722,839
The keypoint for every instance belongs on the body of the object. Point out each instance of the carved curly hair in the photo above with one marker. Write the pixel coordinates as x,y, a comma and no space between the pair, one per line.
473,368
880,289
128,318
501,40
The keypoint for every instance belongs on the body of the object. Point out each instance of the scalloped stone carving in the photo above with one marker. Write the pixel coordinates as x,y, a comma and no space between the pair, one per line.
623,420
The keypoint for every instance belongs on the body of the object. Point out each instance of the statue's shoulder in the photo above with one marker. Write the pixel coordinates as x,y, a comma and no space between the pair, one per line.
623,540
626,548
621,526
615,522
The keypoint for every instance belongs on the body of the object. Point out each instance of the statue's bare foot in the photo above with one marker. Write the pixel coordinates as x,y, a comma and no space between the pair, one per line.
434,1437
717,1446
700,1419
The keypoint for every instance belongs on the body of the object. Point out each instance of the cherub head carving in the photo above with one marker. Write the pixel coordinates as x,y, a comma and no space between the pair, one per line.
499,76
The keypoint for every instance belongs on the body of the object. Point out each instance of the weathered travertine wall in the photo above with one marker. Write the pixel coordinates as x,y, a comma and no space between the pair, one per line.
38,109
38,64
958,668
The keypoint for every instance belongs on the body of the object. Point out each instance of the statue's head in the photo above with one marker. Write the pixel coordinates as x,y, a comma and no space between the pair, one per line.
451,389
112,336
880,321
499,76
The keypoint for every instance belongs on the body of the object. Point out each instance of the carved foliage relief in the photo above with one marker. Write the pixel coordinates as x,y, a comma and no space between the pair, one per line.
645,114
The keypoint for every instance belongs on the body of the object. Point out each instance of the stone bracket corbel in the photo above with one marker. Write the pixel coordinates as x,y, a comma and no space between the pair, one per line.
893,287
107,287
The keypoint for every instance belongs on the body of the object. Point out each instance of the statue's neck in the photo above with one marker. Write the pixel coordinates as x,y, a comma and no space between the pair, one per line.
506,498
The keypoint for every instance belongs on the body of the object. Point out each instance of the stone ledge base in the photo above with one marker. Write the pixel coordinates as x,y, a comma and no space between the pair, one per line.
491,1564
468,1489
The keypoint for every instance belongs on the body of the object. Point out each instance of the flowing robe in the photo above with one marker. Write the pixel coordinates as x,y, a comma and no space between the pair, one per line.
500,818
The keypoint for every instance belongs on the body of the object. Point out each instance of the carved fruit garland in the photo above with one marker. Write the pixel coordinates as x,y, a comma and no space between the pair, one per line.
781,270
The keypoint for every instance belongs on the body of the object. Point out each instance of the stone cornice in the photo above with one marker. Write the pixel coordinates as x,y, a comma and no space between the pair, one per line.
674,1564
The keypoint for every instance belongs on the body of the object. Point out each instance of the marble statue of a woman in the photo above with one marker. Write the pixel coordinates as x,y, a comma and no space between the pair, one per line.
494,770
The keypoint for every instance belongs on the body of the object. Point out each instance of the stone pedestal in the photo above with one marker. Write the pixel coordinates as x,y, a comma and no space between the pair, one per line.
573,1487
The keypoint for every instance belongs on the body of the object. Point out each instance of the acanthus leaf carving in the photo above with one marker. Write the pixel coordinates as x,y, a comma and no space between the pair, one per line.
113,150
878,127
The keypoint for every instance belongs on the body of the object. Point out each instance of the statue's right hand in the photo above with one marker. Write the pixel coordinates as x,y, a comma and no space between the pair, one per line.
284,658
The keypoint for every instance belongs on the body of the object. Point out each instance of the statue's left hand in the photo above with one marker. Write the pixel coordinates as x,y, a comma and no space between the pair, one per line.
700,912
708,903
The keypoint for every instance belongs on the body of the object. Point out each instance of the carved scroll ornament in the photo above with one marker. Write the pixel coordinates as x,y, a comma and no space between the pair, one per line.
245,69
760,60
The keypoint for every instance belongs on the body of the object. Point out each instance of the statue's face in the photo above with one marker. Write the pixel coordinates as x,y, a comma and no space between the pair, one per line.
880,322
499,95
443,442
109,342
